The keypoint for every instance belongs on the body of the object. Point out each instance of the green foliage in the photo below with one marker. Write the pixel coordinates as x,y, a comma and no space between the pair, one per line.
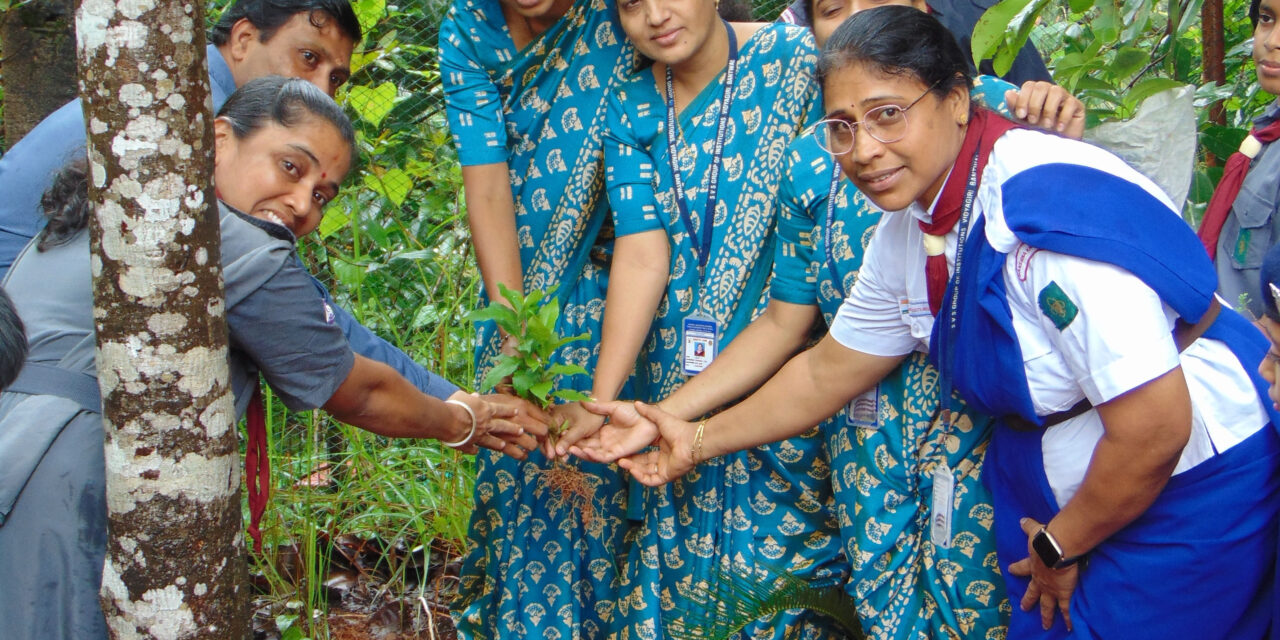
732,598
532,320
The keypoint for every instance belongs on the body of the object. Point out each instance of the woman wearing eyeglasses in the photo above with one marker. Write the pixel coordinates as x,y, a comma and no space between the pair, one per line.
1132,463
885,447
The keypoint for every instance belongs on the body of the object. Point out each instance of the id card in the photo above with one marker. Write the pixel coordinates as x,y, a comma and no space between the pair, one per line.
863,411
944,489
701,340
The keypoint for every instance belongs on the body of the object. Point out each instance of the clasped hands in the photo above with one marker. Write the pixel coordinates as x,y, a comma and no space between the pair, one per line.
624,432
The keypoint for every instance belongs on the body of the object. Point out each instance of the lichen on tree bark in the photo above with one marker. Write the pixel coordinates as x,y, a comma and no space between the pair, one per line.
175,565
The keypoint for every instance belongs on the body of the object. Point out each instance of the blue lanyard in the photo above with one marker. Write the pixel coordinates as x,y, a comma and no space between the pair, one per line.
826,230
948,333
722,126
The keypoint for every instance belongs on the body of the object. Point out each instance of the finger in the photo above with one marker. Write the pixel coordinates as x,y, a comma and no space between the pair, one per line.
532,426
1051,118
506,448
1048,605
501,410
1065,606
522,440
1031,597
1012,100
653,414
504,427
599,408
1033,101
1021,567
1030,526
576,432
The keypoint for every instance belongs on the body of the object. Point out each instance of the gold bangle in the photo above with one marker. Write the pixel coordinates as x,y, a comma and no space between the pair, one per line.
695,449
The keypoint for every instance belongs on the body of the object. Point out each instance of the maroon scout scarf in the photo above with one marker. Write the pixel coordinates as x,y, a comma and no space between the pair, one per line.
257,466
985,127
1215,216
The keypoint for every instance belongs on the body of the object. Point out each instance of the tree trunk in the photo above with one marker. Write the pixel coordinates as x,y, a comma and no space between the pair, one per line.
38,46
175,566
1213,48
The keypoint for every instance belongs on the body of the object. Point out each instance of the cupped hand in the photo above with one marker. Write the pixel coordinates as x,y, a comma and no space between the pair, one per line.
673,457
1050,588
625,433
498,427
576,423
1049,107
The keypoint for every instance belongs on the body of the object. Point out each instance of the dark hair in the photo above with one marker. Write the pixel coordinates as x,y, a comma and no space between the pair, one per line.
286,102
1269,274
269,15
1253,12
66,203
734,10
898,40
13,341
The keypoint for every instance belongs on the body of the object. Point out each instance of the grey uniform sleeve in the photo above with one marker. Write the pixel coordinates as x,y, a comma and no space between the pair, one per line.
289,333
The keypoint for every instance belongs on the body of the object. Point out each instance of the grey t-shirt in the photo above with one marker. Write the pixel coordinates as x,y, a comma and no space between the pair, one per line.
279,325
1252,226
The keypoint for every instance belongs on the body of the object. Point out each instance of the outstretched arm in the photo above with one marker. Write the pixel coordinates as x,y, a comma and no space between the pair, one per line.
811,387
375,398
637,280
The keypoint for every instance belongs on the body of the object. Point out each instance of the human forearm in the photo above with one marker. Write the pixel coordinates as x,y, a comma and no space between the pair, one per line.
377,399
1146,430
491,214
755,355
637,280
808,389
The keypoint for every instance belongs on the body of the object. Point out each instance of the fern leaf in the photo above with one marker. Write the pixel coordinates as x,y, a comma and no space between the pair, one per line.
731,599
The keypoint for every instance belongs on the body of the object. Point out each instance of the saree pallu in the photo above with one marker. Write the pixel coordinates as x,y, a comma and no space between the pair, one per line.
534,566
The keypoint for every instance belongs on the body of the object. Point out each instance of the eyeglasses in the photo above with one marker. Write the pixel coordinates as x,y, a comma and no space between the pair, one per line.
886,123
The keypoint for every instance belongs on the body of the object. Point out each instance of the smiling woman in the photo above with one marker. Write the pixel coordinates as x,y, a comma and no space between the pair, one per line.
295,149
1075,307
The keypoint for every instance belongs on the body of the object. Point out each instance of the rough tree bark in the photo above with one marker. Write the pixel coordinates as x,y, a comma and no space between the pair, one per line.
38,46
175,566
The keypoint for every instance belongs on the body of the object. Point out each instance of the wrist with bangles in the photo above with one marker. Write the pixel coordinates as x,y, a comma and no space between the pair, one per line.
471,434
695,449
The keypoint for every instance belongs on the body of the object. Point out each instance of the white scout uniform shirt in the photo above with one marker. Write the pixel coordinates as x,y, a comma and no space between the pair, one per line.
1120,338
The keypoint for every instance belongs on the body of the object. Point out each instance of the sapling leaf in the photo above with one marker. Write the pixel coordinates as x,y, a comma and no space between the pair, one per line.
541,390
580,336
525,381
505,367
548,315
514,297
562,369
500,314
571,395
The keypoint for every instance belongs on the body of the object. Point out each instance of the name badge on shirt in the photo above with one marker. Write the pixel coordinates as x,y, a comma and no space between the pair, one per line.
914,308
944,488
863,411
701,341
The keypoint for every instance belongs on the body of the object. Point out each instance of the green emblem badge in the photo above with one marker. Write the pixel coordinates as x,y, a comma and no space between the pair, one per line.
1057,306
1242,245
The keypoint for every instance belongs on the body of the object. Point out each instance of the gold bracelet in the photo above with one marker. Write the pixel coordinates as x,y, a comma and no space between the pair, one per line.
695,449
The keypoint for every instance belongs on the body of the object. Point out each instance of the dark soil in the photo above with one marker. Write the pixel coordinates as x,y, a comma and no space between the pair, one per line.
358,594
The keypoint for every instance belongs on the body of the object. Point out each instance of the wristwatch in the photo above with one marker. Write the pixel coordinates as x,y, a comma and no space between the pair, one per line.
1050,551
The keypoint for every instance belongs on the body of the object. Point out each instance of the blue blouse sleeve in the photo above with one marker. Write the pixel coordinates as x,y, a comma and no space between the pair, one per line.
472,101
628,172
794,280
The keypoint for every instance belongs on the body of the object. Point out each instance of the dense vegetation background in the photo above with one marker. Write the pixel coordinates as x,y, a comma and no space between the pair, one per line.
372,529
